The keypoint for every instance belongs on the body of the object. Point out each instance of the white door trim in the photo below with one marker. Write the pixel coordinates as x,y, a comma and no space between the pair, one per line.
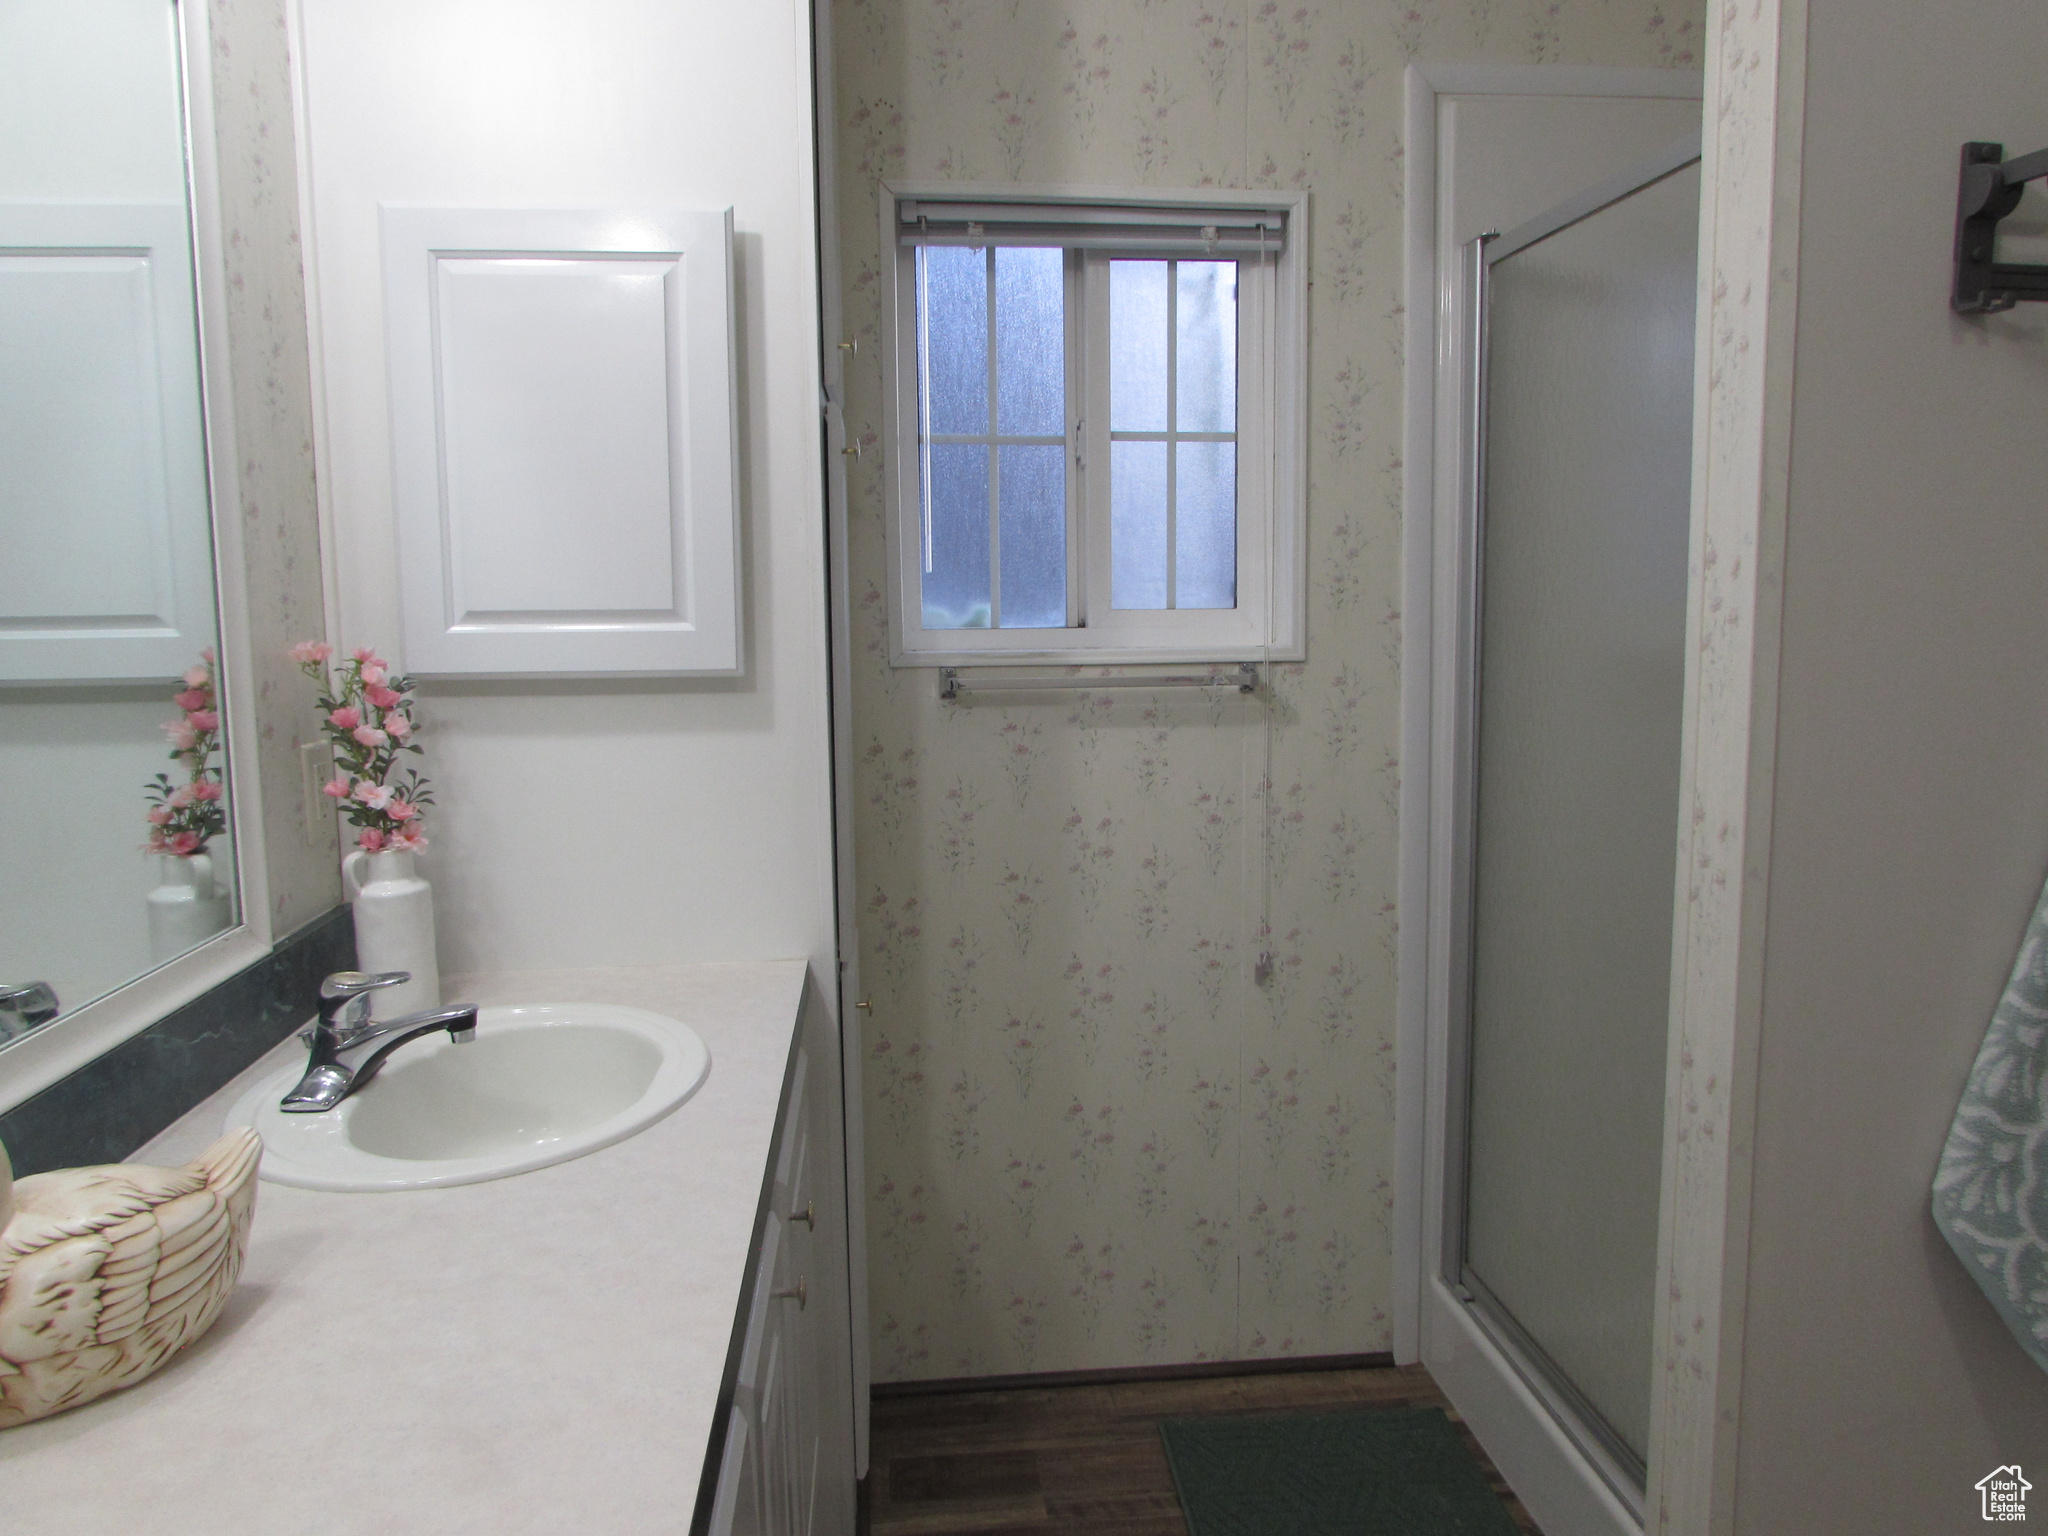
846,993
1741,479
1427,336
1555,1478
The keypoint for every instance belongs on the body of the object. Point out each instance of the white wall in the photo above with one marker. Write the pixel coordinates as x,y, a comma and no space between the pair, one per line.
1910,819
633,822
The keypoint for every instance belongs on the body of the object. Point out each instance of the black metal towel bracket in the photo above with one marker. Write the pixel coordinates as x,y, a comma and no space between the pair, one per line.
1987,189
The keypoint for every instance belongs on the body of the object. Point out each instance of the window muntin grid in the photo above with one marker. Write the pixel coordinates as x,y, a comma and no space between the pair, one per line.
1173,433
992,440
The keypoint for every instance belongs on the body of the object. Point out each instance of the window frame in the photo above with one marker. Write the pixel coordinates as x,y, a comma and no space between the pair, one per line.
1268,623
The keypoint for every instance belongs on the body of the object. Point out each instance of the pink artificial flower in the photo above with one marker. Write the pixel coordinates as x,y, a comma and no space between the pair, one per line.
183,844
197,677
182,735
375,796
336,788
207,655
204,719
370,840
308,652
374,672
192,698
181,797
346,718
401,810
398,726
406,840
205,790
155,843
367,657
159,815
380,696
370,736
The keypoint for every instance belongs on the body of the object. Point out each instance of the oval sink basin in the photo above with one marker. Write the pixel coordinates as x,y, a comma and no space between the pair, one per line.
540,1084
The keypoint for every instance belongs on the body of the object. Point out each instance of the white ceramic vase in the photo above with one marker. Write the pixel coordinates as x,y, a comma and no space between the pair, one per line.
394,911
186,909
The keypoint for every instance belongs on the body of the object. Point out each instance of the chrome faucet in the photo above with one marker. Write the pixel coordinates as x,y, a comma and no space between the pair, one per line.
348,1047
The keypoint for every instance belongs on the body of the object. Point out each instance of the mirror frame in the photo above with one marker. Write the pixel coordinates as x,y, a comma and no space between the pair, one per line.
56,1050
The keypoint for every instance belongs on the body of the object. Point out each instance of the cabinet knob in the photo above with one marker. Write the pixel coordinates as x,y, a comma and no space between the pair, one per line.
799,1292
866,1005
808,1215
852,346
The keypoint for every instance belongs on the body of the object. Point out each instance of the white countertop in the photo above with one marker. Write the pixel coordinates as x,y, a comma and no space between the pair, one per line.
535,1354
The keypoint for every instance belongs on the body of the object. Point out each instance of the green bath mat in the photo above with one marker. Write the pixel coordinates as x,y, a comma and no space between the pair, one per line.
1375,1472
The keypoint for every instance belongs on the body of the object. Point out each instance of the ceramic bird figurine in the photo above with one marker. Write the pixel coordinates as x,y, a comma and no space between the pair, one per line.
107,1272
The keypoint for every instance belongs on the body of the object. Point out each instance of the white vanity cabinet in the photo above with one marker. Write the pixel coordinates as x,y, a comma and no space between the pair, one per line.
786,1467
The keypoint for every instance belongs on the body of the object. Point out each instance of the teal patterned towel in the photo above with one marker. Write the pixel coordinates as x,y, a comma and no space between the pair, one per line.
1991,1193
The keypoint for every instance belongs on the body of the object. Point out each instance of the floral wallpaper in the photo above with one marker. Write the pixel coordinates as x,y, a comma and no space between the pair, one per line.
1099,1132
273,407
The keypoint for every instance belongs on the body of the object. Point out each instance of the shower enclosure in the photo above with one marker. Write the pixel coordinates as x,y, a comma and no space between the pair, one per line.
1566,819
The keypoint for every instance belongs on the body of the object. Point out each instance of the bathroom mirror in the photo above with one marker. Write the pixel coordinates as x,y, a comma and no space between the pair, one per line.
118,819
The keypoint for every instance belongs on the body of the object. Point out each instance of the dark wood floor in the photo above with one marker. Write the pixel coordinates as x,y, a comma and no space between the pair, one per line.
1086,1460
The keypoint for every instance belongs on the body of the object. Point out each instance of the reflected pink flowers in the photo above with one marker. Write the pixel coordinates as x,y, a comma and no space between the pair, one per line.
183,816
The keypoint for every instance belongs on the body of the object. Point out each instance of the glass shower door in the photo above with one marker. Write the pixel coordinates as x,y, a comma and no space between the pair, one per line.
1583,471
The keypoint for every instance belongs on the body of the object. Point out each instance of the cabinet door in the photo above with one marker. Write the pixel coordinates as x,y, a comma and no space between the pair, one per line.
782,1401
818,1188
738,1509
742,1474
562,473
795,1476
809,1370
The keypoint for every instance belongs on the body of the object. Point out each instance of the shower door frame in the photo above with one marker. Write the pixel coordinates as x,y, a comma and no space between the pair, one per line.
1624,1473
1547,1467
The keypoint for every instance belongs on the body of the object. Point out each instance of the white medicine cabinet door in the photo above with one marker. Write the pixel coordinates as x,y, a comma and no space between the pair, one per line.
564,480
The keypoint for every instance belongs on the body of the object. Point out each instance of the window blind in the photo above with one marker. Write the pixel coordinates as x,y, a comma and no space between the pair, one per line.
1155,230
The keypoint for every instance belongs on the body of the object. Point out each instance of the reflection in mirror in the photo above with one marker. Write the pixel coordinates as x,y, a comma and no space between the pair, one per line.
113,825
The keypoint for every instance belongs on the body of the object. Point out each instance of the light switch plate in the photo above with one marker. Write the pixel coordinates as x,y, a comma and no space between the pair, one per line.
316,767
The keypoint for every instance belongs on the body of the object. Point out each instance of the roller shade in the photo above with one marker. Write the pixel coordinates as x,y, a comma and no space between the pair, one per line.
1160,230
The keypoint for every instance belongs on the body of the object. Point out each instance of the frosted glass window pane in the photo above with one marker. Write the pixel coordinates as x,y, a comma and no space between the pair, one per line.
1137,525
1582,660
1031,351
1205,526
1206,319
956,588
1137,346
955,296
1032,494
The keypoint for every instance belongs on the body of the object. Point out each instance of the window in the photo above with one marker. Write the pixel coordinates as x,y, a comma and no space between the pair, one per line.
1097,435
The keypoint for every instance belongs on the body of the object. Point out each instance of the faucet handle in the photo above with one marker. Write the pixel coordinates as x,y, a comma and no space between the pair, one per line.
344,1000
343,985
